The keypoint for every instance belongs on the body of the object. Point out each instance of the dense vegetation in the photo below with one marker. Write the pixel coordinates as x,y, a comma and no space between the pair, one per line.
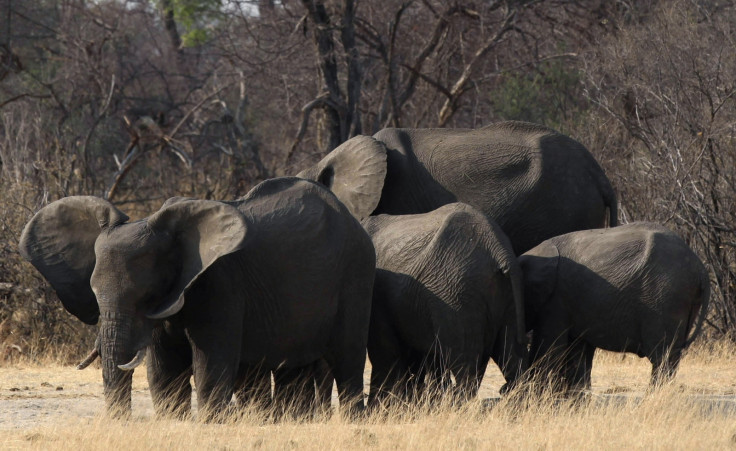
141,100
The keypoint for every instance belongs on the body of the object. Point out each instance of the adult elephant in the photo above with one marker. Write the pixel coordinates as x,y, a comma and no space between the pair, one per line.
279,279
534,182
448,297
634,288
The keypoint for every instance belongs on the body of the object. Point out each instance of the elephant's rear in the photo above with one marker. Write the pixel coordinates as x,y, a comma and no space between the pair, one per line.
324,299
699,309
533,181
574,186
687,279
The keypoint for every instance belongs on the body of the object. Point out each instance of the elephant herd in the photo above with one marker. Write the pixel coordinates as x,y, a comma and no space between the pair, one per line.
433,250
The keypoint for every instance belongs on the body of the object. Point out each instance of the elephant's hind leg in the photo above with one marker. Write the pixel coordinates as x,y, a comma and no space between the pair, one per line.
467,377
346,353
253,387
664,365
169,372
294,391
547,355
578,365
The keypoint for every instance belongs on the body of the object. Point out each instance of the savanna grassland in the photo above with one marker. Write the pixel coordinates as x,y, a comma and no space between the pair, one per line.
139,101
57,407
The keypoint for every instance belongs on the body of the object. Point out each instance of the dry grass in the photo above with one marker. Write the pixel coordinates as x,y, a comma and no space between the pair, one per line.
682,415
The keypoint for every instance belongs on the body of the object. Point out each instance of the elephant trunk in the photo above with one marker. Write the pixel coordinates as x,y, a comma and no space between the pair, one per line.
116,349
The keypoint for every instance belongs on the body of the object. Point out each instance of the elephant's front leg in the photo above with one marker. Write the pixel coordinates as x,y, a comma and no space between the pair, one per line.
169,371
547,356
215,355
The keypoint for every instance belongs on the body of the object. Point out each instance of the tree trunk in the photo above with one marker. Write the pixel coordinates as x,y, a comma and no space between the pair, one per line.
342,119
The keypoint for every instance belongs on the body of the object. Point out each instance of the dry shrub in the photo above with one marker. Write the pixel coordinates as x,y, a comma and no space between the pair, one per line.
664,128
33,324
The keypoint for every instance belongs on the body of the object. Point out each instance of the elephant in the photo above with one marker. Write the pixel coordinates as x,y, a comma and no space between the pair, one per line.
299,393
634,288
281,278
533,182
447,297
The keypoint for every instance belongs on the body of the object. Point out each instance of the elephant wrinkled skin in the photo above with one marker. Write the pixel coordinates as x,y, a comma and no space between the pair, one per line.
447,298
532,181
634,288
279,279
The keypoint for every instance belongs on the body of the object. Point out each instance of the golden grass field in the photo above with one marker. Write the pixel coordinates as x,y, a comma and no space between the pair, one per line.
57,407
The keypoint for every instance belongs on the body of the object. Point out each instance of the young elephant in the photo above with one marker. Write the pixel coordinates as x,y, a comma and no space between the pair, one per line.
447,297
634,288
279,279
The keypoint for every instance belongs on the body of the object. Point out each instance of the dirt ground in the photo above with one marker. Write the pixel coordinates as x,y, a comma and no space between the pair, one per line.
33,396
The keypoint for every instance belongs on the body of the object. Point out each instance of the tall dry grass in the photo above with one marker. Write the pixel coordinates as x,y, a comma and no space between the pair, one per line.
696,411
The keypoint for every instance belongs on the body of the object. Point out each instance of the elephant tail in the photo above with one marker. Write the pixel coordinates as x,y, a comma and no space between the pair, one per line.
609,199
704,302
513,271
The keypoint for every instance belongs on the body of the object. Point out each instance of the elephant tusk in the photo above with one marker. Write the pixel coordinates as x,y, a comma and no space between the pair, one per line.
137,360
91,357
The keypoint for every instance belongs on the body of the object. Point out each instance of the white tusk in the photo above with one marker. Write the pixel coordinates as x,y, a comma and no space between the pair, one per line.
171,310
91,357
137,360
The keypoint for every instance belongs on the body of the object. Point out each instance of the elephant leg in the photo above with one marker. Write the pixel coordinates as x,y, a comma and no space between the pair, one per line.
169,370
294,391
216,355
466,372
323,380
664,365
253,387
421,379
578,366
389,382
547,354
390,366
346,353
349,379
511,357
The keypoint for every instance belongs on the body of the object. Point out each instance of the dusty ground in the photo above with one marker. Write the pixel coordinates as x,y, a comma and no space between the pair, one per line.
33,396
39,405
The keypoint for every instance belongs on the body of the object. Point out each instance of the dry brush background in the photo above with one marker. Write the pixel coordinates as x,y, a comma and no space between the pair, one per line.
141,100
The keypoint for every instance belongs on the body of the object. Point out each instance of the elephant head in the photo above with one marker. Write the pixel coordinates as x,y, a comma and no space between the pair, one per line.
130,275
355,171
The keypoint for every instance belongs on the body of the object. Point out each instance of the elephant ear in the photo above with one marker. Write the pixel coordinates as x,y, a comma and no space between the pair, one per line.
204,231
60,242
355,171
539,267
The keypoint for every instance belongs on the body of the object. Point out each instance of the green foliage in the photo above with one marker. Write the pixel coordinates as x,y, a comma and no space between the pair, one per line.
196,17
549,95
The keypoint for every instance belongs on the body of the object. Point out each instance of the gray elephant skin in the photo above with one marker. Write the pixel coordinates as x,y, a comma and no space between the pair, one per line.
532,181
279,279
447,298
634,288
